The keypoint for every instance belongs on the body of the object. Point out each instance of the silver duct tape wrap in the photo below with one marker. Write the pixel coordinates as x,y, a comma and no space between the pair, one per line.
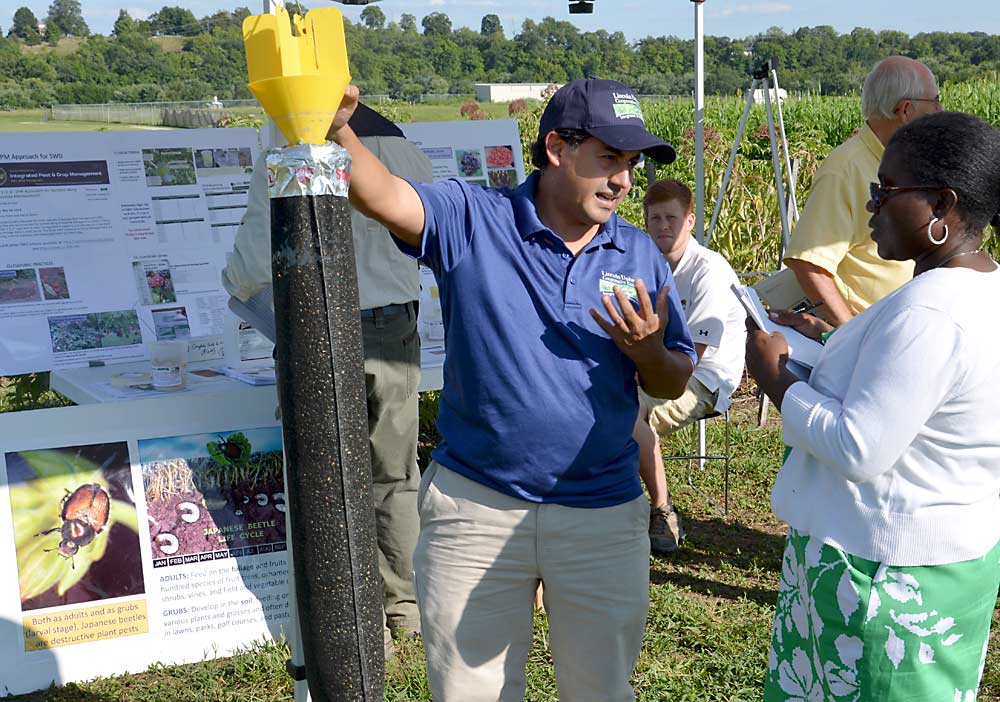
308,169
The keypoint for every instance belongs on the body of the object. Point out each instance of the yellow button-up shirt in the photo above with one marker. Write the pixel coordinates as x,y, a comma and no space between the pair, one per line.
833,232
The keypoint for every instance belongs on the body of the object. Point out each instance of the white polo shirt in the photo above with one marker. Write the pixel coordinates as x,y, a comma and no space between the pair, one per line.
715,316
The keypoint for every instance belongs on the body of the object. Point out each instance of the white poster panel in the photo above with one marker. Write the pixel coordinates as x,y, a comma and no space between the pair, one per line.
481,152
485,152
139,532
112,239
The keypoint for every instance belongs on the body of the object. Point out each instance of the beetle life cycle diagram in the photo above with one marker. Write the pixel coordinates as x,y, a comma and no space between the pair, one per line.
178,539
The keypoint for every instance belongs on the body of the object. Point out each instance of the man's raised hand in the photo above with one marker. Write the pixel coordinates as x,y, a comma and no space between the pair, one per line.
344,112
635,333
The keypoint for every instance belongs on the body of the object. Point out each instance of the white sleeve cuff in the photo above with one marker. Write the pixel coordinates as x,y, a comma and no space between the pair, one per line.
796,412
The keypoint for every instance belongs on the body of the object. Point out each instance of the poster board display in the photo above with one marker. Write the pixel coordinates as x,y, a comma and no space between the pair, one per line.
481,152
109,240
139,533
145,532
485,152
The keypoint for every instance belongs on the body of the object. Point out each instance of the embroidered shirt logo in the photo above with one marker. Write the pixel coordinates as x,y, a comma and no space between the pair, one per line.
609,280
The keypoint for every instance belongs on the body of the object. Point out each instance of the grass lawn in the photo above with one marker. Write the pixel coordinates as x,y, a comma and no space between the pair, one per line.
450,110
38,121
709,623
65,45
68,45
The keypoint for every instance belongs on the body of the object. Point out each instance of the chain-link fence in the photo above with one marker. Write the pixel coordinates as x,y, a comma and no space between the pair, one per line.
199,113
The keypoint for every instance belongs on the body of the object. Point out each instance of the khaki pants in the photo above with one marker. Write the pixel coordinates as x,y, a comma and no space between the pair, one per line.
392,373
479,559
667,416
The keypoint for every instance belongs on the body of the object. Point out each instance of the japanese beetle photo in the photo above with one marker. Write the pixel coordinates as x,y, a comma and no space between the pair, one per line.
84,515
74,503
231,451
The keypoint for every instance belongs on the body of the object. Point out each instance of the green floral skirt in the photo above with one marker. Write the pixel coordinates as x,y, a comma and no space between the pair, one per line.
847,629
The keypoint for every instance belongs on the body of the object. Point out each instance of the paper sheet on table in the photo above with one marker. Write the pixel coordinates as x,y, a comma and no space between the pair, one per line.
196,382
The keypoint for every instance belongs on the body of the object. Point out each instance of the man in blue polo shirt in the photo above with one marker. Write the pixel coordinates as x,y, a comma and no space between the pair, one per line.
547,297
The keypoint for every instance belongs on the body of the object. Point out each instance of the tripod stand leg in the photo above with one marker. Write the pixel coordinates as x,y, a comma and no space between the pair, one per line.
762,404
729,164
793,178
650,172
776,162
793,207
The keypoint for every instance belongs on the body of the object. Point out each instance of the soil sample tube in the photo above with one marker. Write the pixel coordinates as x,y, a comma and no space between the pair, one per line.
321,390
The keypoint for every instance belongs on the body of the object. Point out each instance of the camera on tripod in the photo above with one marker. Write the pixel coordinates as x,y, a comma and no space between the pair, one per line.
763,71
764,81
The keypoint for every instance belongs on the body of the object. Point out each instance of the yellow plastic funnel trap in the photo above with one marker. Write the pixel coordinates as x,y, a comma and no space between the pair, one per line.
299,79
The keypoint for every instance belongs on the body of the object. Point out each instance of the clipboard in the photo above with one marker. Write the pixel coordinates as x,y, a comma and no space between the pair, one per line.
802,350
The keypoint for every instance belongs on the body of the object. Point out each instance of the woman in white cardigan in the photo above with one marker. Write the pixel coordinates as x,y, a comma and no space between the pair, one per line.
891,487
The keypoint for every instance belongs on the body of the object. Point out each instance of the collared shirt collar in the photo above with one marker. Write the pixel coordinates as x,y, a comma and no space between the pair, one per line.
871,141
528,224
688,254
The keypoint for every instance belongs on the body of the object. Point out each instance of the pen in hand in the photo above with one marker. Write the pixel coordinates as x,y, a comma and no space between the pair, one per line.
803,307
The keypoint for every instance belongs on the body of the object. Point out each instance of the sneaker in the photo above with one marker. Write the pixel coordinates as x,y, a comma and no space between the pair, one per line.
665,530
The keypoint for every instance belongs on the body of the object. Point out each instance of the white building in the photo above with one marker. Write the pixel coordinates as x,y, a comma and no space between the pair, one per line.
758,95
505,92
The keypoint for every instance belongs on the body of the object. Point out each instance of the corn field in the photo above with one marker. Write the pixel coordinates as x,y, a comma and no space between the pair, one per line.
748,231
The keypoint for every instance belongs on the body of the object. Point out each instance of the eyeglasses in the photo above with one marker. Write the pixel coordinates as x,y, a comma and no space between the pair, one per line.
880,193
935,99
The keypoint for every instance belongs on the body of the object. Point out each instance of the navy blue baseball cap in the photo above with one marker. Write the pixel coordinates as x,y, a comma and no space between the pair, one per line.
607,110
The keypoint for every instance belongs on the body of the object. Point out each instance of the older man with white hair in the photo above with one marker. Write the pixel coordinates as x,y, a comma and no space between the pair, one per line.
831,251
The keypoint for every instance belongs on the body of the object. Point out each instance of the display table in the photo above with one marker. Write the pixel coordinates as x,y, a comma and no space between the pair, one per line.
86,386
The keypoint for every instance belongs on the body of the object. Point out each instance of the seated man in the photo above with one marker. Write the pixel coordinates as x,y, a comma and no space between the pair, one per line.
716,319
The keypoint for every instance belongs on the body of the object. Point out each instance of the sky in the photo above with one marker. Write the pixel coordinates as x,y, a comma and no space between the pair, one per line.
635,18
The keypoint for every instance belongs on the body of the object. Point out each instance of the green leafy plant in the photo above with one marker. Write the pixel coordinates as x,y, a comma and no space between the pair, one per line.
231,451
242,119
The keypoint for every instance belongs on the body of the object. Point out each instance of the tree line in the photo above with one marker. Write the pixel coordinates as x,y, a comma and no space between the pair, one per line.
406,58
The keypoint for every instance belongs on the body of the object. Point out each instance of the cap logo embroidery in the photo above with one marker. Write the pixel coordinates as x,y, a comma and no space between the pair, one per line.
626,106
